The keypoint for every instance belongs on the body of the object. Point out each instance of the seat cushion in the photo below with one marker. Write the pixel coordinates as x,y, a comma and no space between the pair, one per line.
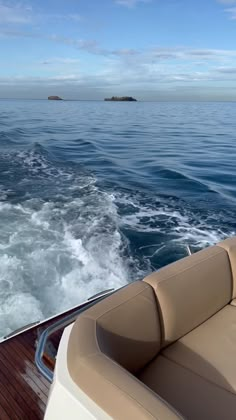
210,349
111,339
192,395
127,326
191,290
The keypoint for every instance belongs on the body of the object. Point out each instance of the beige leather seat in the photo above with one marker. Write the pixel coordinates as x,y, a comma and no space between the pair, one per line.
163,348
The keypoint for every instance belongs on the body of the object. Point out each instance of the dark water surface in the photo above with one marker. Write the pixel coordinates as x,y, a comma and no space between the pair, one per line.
94,195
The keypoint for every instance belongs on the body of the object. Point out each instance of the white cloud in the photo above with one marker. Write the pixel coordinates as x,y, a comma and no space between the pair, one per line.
184,53
73,17
130,3
140,80
149,54
15,14
127,69
154,54
89,45
19,13
227,70
232,12
112,76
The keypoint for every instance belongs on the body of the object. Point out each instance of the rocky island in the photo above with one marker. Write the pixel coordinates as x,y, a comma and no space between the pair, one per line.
121,98
54,98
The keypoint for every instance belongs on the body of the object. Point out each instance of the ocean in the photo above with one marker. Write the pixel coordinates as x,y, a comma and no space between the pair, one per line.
94,195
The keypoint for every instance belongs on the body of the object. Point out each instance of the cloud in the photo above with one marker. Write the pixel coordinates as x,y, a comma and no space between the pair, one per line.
88,45
73,17
232,12
227,1
125,52
73,80
227,70
174,53
152,54
118,71
91,46
156,78
184,53
131,3
19,80
118,78
15,14
58,60
19,13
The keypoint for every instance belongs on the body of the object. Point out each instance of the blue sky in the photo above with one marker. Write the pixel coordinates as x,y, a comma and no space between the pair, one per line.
89,49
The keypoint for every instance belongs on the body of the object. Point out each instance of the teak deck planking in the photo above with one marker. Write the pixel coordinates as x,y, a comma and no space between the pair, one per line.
23,390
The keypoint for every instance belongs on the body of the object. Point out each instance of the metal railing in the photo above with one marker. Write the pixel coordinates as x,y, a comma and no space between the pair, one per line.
62,323
188,249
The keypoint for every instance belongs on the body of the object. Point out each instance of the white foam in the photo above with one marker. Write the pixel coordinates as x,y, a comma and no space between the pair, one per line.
4,193
54,255
63,243
18,310
184,227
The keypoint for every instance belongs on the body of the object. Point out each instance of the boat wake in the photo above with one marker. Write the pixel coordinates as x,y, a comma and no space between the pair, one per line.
59,239
64,238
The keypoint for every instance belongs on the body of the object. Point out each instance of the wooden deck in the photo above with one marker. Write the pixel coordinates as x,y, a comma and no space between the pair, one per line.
23,390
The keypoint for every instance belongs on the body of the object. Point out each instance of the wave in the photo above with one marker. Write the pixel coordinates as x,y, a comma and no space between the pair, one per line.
59,240
65,237
167,225
6,139
182,180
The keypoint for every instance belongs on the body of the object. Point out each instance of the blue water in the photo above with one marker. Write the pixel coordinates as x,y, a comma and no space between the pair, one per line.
94,195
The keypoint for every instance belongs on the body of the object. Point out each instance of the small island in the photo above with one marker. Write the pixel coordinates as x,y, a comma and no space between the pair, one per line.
54,98
121,98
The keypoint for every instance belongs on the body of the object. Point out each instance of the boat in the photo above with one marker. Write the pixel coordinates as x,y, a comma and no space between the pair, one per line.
159,348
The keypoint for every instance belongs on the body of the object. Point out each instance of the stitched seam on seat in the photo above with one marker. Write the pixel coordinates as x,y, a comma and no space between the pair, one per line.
197,374
118,305
123,392
156,313
96,336
188,268
161,319
95,320
231,269
133,398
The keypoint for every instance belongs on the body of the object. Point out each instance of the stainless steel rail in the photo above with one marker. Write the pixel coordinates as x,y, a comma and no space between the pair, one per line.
44,370
62,323
188,250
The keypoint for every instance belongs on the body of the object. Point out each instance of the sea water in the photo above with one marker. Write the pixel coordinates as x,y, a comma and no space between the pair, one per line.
94,195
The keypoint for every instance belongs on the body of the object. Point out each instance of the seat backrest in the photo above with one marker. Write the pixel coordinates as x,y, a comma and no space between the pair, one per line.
230,246
126,326
191,290
112,341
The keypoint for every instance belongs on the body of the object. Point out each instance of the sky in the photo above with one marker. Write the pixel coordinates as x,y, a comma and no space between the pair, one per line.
91,49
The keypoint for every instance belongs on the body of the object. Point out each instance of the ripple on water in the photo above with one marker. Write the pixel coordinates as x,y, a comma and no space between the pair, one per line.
106,195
